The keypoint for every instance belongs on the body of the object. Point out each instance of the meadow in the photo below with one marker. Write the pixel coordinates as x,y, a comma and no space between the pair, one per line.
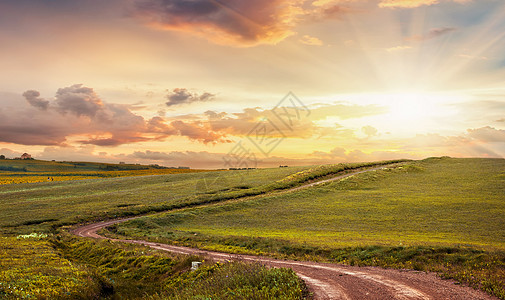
65,267
46,206
36,252
40,261
41,207
439,214
32,171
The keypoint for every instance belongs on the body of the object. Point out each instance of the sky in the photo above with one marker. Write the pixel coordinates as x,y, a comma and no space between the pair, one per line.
240,83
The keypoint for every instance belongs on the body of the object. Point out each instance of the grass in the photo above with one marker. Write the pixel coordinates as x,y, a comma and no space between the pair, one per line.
41,207
44,207
32,171
31,269
439,214
113,270
65,267
134,272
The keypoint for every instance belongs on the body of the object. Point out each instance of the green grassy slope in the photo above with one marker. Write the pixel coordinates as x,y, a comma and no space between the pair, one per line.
26,208
443,215
435,202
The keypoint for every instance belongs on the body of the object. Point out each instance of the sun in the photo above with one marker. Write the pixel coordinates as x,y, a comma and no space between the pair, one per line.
411,107
407,114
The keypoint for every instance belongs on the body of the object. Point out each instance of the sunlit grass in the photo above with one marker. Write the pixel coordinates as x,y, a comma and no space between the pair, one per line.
31,269
435,202
440,214
25,208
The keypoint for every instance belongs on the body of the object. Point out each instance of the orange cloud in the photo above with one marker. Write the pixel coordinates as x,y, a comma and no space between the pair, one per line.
237,22
406,3
412,3
310,40
78,111
240,23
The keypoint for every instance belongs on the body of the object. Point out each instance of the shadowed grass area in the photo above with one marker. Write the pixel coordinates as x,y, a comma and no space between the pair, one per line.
138,272
65,267
439,214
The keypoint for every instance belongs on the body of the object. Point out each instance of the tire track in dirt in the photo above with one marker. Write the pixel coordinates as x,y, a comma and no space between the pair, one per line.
325,280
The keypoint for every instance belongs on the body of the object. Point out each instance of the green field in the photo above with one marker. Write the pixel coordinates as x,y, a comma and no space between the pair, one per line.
39,207
440,214
432,202
57,266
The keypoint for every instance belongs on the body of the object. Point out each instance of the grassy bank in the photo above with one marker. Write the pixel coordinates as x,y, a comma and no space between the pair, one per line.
31,269
440,214
44,207
65,267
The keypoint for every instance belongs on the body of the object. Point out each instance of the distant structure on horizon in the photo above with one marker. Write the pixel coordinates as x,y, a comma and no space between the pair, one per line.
25,156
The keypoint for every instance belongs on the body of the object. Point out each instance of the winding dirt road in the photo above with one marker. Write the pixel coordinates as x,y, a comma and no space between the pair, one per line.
330,281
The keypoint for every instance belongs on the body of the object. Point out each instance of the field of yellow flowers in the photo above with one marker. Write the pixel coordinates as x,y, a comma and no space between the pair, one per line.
29,177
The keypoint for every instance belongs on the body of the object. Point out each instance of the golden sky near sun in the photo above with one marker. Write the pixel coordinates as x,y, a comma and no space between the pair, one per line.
187,82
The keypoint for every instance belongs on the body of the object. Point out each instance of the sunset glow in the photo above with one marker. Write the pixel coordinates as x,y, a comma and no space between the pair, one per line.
181,83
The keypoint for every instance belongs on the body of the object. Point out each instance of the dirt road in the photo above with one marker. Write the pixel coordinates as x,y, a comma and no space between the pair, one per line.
331,281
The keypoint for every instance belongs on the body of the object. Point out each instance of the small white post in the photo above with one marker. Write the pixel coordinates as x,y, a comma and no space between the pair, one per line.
195,265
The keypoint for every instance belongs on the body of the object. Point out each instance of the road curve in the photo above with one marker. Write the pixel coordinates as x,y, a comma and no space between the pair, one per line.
330,281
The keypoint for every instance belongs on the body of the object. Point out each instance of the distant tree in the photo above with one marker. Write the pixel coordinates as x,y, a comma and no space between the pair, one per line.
2,156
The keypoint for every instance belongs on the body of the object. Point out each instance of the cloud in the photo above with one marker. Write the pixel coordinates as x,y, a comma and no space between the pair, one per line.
310,40
10,153
199,131
27,125
487,134
345,111
235,22
473,57
182,96
398,48
242,123
340,154
413,3
33,98
369,131
433,33
330,10
79,100
406,3
78,113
